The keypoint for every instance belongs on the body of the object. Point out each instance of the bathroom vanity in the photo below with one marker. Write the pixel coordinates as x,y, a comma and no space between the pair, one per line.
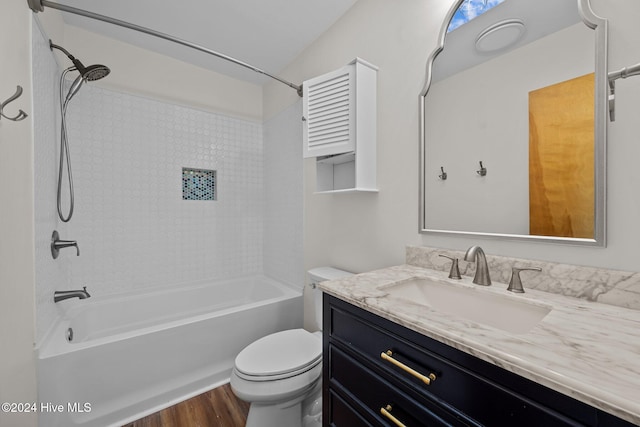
393,361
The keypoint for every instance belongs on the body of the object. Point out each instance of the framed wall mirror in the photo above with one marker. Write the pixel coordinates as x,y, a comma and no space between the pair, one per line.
513,123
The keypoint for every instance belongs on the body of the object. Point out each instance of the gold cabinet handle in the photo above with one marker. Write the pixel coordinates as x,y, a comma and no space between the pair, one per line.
387,413
424,378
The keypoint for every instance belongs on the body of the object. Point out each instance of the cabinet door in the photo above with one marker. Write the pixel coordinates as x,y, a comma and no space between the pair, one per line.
329,113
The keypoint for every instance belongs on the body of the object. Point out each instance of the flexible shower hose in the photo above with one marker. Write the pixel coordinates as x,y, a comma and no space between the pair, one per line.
64,152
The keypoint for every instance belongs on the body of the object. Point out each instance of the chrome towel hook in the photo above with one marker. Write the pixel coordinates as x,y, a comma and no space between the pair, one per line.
482,171
443,175
21,114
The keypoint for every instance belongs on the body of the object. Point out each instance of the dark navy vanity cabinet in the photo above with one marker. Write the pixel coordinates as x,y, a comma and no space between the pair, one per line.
379,373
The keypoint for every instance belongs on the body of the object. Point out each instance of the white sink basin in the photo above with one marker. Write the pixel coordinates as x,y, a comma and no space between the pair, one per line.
475,304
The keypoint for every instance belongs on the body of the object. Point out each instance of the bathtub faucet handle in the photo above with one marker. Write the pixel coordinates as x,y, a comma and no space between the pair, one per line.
57,244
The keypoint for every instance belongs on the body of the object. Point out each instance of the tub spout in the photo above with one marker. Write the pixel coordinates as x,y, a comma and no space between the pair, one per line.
62,295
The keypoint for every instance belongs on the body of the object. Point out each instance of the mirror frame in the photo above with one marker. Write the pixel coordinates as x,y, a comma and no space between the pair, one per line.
600,27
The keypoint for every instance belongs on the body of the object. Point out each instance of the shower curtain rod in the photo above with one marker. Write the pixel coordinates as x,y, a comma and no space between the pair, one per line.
38,6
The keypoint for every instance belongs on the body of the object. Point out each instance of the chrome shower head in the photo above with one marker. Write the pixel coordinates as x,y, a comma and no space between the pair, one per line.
90,73
95,72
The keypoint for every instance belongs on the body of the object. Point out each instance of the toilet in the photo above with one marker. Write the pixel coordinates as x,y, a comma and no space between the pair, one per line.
280,374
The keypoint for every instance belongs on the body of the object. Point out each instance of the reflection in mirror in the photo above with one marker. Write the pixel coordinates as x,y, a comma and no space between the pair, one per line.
468,10
522,89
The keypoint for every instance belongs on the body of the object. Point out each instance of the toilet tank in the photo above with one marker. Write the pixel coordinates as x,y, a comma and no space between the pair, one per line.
317,275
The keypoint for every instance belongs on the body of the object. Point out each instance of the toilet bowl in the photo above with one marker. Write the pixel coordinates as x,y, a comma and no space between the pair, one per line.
280,374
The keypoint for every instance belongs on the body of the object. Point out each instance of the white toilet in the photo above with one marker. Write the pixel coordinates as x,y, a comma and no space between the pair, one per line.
280,374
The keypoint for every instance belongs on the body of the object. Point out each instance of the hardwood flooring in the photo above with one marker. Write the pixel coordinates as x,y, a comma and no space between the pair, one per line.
216,408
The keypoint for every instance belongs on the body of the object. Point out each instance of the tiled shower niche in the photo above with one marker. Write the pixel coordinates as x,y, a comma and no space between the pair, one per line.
198,184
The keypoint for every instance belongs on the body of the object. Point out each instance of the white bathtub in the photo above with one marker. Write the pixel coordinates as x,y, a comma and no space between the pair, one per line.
134,354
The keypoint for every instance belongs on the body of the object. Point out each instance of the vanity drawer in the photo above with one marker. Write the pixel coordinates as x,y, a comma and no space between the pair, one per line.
342,413
375,395
482,399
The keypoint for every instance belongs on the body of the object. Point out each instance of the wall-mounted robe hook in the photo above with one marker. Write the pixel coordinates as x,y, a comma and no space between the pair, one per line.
21,114
443,175
482,171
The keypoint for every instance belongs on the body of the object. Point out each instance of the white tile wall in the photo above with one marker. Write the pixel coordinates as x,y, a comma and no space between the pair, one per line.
132,226
50,274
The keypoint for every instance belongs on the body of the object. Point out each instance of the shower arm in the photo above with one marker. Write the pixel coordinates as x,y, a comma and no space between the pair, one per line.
38,6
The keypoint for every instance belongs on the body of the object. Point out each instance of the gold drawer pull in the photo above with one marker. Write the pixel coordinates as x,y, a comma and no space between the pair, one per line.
387,413
424,378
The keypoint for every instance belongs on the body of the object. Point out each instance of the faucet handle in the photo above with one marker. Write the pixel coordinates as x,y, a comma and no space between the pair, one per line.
515,284
454,273
57,244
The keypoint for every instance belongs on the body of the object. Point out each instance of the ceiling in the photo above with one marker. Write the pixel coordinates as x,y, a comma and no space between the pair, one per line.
267,34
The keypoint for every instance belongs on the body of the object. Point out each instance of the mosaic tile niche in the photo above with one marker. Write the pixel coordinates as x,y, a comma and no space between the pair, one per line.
198,184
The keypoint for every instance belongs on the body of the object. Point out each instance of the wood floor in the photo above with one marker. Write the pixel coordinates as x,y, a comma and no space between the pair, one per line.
216,408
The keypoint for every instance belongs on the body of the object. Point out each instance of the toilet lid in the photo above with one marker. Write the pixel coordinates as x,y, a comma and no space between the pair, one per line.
280,353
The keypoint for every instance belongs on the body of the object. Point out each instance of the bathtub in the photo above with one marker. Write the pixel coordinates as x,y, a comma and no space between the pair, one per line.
111,360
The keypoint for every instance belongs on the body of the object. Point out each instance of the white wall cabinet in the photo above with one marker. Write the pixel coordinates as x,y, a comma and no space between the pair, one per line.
339,130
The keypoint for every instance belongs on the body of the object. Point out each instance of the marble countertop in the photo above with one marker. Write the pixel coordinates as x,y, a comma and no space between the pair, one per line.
587,350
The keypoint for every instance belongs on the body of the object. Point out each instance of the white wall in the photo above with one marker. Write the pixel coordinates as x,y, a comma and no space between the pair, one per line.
360,232
365,232
283,253
17,317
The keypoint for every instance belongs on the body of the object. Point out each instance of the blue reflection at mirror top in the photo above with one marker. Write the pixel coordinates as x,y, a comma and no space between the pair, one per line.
469,9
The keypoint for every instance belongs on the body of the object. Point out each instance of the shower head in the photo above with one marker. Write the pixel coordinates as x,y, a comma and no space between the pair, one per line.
96,72
90,73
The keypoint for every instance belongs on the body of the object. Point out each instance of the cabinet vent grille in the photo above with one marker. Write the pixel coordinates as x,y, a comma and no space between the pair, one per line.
328,115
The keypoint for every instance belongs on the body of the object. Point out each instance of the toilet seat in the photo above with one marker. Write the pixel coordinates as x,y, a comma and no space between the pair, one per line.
281,355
